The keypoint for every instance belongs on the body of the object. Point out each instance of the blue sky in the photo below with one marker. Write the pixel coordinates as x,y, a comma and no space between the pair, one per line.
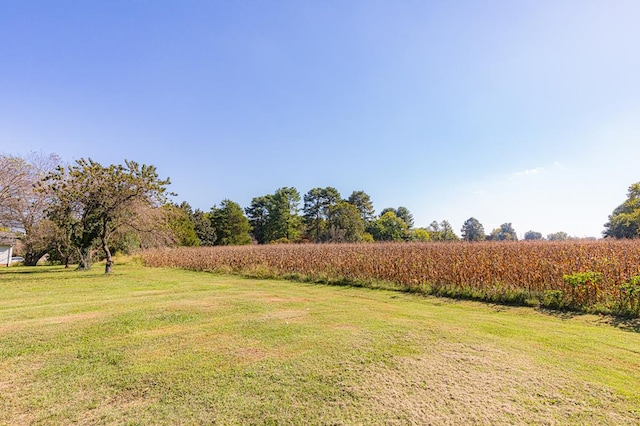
508,111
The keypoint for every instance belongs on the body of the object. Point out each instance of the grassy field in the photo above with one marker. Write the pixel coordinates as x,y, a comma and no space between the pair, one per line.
160,346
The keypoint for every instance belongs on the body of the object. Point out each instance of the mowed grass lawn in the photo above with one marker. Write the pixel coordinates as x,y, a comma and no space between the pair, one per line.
163,346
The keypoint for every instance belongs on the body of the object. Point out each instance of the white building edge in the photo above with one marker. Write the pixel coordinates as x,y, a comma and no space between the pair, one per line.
7,240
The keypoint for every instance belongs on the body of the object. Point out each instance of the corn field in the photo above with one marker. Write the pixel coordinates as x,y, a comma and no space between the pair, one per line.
591,276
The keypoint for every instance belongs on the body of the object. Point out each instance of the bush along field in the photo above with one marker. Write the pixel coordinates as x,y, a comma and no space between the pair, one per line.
584,276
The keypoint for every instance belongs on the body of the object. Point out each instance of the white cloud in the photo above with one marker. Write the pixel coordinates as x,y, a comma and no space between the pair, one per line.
525,173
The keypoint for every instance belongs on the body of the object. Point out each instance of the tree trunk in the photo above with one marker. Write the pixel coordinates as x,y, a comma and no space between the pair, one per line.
85,259
31,258
63,255
109,260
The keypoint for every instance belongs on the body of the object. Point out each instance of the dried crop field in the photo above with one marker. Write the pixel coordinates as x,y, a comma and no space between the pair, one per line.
593,276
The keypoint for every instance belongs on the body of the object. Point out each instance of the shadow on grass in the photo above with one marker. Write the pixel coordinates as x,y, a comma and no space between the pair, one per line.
626,324
21,270
48,269
560,313
623,323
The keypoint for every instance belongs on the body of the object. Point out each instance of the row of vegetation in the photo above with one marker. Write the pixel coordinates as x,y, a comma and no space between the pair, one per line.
325,217
590,276
83,211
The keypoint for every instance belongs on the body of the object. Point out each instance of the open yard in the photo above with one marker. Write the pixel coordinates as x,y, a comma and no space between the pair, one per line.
159,346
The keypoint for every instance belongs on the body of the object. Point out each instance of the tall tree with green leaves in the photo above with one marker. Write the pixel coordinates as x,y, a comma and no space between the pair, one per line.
363,203
404,214
230,224
401,213
434,231
558,236
442,231
472,230
504,233
532,236
421,235
624,222
446,231
346,223
284,221
94,201
258,216
275,216
179,224
389,227
317,210
203,227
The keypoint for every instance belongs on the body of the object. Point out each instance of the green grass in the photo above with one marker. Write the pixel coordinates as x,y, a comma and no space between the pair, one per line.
166,346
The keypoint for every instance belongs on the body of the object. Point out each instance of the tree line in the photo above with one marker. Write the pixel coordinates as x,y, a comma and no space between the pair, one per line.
322,215
75,213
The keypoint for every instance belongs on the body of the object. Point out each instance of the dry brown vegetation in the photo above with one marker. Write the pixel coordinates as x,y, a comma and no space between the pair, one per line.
593,276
